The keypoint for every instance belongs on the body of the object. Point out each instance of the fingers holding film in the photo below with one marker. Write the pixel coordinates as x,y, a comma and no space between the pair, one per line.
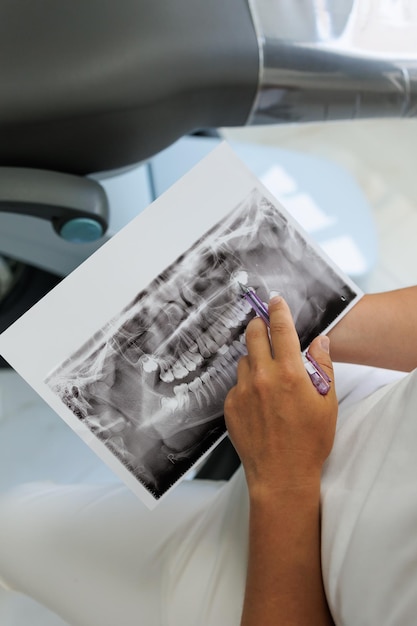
284,338
257,342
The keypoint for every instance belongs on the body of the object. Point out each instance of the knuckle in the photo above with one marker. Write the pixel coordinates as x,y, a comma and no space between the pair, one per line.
290,375
261,380
280,326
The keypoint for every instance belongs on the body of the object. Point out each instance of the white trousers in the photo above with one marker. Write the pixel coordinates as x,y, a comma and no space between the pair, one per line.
96,556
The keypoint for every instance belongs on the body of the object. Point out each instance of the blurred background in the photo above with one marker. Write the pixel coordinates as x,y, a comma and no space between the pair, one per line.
380,155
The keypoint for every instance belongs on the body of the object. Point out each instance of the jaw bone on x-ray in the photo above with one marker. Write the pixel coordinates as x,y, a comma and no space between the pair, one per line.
151,384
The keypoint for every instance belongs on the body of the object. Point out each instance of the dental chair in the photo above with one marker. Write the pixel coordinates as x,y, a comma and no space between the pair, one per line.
90,88
93,86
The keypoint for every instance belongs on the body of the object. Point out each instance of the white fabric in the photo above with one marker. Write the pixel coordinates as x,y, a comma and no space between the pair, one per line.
98,557
369,511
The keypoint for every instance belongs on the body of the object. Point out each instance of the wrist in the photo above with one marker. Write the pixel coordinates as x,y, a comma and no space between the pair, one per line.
286,475
347,338
277,491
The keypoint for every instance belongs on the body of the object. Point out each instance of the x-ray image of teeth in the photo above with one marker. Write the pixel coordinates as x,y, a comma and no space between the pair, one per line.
151,383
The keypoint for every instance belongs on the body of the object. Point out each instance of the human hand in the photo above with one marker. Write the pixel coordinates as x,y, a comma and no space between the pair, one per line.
281,427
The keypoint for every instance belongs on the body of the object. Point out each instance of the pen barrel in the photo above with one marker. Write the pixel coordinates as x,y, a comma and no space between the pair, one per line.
317,375
257,305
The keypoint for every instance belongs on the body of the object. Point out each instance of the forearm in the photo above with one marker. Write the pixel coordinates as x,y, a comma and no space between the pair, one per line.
284,580
283,431
381,330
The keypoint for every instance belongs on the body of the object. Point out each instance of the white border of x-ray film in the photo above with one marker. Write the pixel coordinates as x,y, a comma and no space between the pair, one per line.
111,278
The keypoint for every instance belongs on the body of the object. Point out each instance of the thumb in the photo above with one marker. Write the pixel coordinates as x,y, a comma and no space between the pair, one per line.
319,350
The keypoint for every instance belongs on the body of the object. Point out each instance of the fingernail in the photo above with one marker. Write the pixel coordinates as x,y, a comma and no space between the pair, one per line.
274,297
274,294
275,300
325,343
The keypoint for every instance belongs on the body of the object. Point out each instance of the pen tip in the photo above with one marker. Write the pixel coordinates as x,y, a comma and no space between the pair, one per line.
243,288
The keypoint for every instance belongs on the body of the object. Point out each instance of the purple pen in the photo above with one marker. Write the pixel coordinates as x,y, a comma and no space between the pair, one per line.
318,377
256,303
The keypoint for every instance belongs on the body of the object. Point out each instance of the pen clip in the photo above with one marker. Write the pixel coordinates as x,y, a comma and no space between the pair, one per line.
318,376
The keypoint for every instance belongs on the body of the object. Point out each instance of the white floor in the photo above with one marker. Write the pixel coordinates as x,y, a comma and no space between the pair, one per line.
36,445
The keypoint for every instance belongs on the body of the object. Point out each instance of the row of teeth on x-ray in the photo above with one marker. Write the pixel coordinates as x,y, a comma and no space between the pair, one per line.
196,349
187,334
206,386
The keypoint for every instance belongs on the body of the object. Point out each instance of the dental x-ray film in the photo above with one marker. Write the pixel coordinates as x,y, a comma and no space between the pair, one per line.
138,347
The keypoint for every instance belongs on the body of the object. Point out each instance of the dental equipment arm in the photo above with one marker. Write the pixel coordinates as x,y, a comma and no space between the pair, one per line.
93,85
335,59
